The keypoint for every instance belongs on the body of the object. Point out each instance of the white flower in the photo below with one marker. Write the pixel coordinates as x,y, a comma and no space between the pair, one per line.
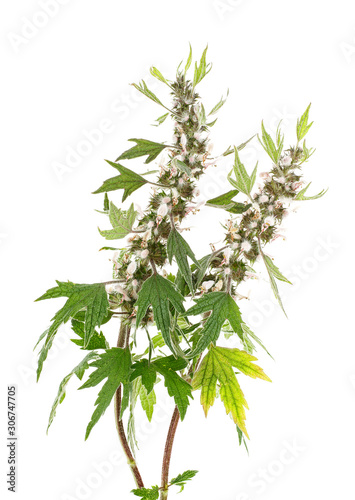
196,192
198,136
183,140
150,224
218,286
144,254
256,206
270,221
181,181
166,199
163,210
117,288
173,171
227,271
270,208
265,175
192,159
132,267
235,245
245,246
210,147
226,254
134,283
280,180
263,198
206,285
174,139
286,161
185,117
253,224
147,235
248,274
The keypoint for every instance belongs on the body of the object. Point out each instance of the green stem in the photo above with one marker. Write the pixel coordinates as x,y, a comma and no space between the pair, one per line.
167,454
121,342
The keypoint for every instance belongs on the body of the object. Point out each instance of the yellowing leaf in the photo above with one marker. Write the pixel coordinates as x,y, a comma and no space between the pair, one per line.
217,366
121,221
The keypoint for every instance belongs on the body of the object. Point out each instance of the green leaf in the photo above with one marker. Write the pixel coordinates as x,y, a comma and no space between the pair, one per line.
147,401
242,181
143,147
215,367
128,180
241,439
224,199
79,372
218,106
273,273
126,396
202,69
108,248
157,74
142,87
147,493
189,60
182,167
121,221
253,176
106,203
97,341
249,333
91,297
181,479
131,428
178,247
158,292
204,264
275,270
225,202
223,307
147,371
161,119
177,387
269,146
230,150
302,124
115,365
301,195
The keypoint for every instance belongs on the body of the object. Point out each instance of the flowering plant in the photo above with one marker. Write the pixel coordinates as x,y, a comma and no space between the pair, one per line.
156,274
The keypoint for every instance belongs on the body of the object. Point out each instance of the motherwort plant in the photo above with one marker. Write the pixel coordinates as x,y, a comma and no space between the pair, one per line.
178,317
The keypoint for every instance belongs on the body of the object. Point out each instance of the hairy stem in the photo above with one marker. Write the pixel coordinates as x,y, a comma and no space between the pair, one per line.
121,342
167,454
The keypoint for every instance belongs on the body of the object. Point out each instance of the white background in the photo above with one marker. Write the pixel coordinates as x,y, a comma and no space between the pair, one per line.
72,75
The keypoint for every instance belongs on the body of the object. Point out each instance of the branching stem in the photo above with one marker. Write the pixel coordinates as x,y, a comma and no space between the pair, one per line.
167,454
121,342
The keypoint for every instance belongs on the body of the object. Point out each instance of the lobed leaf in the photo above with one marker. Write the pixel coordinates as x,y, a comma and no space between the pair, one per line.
178,247
129,181
143,147
158,292
121,221
115,365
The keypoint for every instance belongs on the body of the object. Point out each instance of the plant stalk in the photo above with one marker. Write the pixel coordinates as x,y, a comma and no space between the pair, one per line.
167,454
122,342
